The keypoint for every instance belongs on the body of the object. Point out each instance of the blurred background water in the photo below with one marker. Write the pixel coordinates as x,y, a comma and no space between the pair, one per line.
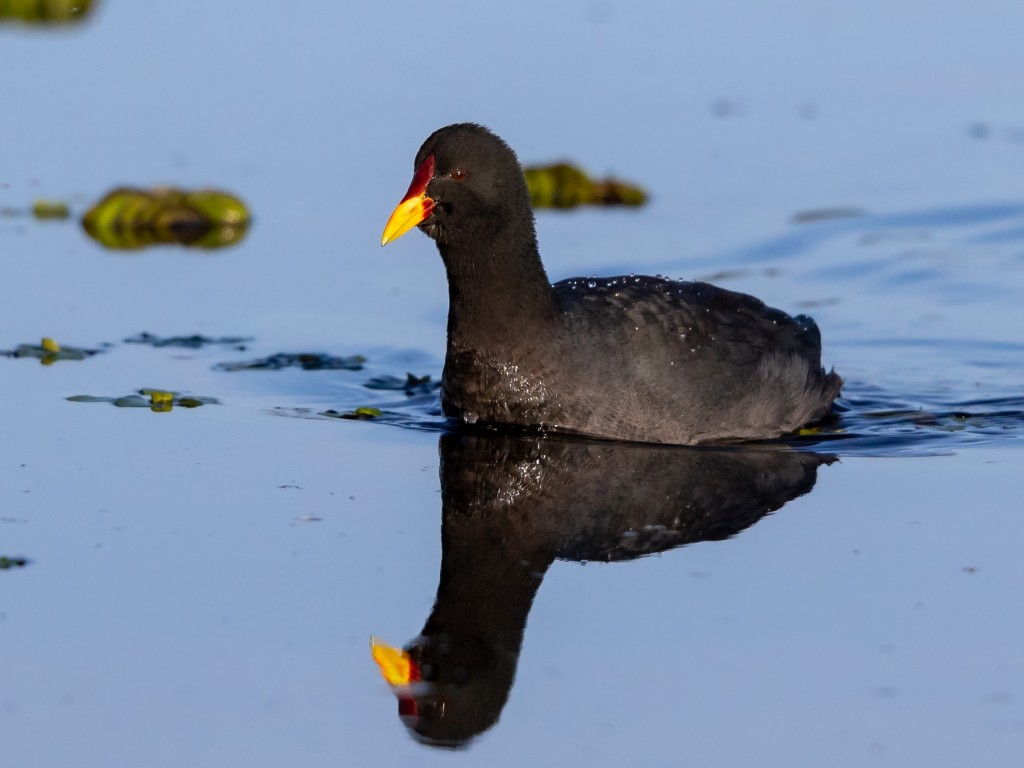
201,584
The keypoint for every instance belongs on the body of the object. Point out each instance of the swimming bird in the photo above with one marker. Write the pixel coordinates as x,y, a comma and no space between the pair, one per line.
627,358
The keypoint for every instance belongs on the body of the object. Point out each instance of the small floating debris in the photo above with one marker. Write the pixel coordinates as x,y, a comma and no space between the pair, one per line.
45,11
411,385
49,351
827,214
566,186
50,209
7,563
129,218
363,413
307,361
157,400
195,341
815,303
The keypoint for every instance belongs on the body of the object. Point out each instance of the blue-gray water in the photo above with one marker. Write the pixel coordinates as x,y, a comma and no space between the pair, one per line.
202,584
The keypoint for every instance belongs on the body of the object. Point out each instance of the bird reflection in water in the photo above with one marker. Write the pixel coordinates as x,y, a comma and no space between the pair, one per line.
512,504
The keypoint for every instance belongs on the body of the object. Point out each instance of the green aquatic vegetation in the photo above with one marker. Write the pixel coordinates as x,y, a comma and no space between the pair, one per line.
50,209
562,185
49,351
308,361
218,206
195,341
129,218
45,11
6,563
411,385
362,413
157,400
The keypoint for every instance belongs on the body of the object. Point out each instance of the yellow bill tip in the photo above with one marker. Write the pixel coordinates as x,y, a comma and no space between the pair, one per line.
408,213
395,664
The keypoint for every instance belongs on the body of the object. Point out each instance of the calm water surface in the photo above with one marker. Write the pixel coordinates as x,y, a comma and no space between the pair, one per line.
202,584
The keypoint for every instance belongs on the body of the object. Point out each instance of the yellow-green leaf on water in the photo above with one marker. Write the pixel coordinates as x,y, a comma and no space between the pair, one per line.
157,400
157,396
615,192
49,345
363,413
218,207
562,185
50,209
129,218
558,186
45,11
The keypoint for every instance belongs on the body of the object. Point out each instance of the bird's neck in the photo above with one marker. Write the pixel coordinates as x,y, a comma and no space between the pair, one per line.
498,294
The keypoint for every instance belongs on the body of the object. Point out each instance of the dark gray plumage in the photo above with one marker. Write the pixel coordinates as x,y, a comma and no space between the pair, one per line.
629,358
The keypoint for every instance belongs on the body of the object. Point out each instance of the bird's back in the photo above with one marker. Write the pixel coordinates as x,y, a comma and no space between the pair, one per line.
683,362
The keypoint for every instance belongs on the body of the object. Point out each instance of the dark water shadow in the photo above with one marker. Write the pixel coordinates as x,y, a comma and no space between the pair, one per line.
513,504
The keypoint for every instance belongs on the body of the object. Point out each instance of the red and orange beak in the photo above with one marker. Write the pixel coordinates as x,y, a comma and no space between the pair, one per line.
415,206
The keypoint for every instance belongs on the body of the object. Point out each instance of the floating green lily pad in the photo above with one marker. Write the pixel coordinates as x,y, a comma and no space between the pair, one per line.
566,186
194,341
45,11
363,413
157,400
49,352
129,218
308,361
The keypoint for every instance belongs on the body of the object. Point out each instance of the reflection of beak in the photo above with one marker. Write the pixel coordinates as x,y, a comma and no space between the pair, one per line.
415,206
395,664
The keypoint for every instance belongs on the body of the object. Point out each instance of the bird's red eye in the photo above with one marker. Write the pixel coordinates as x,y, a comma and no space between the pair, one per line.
458,174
